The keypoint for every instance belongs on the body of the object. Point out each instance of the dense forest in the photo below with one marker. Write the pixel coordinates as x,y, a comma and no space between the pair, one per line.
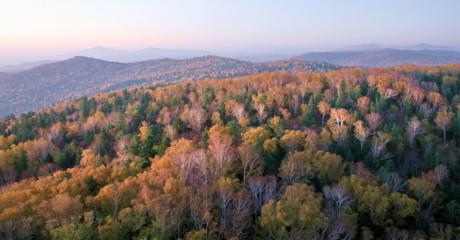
348,154
48,84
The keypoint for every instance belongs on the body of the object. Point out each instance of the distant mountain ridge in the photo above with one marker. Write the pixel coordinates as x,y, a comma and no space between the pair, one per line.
23,66
384,57
107,54
145,54
53,83
417,47
254,54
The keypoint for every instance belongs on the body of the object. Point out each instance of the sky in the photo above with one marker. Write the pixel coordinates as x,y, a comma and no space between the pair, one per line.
31,26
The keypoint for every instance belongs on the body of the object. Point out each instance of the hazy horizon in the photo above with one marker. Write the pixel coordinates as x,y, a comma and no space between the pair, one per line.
53,27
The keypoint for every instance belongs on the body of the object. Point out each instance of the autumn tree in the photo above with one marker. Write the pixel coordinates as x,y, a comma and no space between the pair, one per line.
61,210
435,99
297,166
373,121
378,146
414,128
443,121
164,208
254,136
115,196
89,158
363,104
361,132
375,202
315,87
222,152
328,166
196,119
296,215
293,140
338,120
324,109
250,161
261,113
335,80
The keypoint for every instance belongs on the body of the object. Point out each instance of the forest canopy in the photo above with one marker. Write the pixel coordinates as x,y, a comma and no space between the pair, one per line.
348,154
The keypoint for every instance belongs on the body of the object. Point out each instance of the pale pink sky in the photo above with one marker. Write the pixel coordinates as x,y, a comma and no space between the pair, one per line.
59,25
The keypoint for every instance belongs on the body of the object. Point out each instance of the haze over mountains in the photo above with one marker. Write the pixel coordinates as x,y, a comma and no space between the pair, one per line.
421,46
57,82
384,57
369,55
31,86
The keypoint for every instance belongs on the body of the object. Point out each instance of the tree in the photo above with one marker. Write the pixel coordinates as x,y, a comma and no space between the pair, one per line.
261,113
328,166
324,109
378,146
77,231
414,128
297,166
443,121
115,196
235,208
164,207
143,131
394,182
315,87
61,210
335,80
401,207
293,140
337,124
363,104
297,215
255,136
263,189
423,188
339,117
250,161
375,202
340,196
196,119
89,158
238,111
222,152
361,132
435,99
373,120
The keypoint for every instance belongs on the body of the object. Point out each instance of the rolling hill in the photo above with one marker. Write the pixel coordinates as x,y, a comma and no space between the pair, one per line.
53,83
384,57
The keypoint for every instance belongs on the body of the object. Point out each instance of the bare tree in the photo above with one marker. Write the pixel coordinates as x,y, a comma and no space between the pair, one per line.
250,161
340,196
261,113
394,182
196,118
414,128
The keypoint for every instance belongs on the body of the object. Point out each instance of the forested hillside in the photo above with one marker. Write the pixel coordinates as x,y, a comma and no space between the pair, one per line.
54,83
348,154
